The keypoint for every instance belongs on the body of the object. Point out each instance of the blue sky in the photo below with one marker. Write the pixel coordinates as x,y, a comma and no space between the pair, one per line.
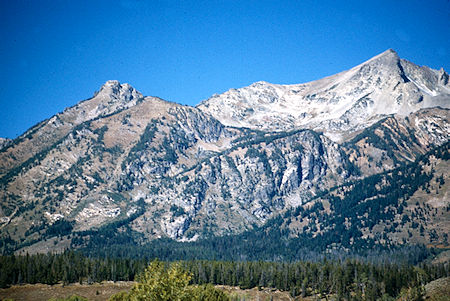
56,53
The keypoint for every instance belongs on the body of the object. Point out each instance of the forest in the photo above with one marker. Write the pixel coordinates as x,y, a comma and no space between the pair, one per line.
347,279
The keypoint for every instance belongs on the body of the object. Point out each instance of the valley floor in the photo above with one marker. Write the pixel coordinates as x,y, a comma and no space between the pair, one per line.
43,292
438,290
102,291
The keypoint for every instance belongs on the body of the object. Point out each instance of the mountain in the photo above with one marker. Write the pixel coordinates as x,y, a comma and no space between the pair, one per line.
338,104
111,98
134,169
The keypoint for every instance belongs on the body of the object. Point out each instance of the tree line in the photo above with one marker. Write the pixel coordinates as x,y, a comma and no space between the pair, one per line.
345,279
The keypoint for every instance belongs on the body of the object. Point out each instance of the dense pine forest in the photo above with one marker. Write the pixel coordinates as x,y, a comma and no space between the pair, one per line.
345,279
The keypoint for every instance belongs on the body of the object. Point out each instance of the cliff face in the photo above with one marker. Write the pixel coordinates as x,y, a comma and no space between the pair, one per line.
225,166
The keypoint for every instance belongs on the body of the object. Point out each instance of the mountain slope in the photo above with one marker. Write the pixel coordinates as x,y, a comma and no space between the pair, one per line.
397,139
383,218
406,205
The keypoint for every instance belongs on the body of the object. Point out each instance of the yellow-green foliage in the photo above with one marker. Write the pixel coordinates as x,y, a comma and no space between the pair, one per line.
158,283
412,294
122,296
208,292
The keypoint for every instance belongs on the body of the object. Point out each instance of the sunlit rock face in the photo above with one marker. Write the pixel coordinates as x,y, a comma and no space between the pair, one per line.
336,105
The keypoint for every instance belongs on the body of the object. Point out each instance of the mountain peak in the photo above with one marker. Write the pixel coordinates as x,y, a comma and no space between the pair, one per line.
110,83
113,88
339,104
388,57
113,85
112,97
390,53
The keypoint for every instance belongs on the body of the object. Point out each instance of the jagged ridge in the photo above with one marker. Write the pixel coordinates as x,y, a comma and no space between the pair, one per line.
337,105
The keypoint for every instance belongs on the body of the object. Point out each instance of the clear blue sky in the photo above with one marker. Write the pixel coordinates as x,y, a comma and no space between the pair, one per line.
56,53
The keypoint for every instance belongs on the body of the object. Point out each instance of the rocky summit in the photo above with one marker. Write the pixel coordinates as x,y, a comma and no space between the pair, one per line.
338,104
363,153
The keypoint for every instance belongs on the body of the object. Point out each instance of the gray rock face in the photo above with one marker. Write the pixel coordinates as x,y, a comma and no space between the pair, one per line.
229,191
225,166
4,142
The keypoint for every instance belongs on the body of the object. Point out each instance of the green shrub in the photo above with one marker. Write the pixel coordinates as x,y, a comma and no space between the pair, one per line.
208,293
161,283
